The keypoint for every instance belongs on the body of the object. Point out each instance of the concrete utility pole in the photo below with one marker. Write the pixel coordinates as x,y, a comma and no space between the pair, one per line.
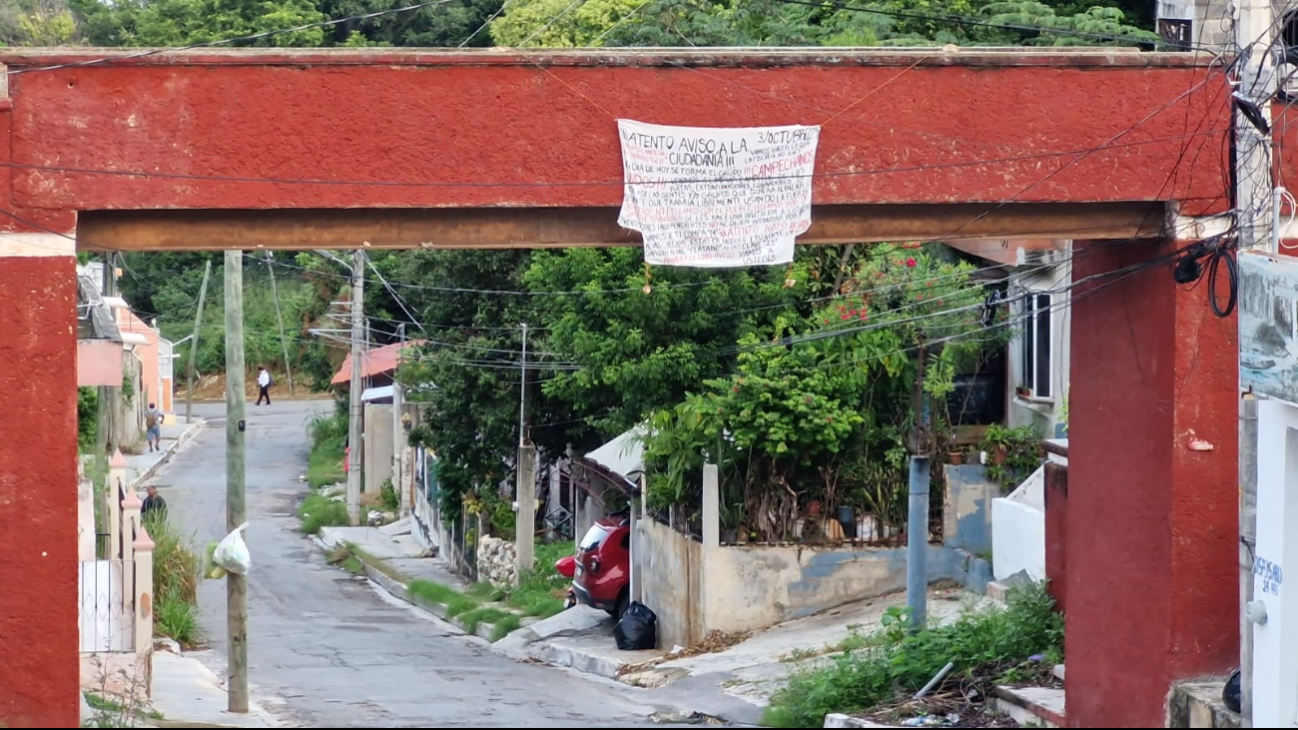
357,408
399,445
525,489
279,317
235,508
1256,208
1254,34
917,522
193,345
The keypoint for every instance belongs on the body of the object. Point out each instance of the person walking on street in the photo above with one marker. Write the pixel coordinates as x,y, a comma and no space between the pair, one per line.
153,504
153,422
263,381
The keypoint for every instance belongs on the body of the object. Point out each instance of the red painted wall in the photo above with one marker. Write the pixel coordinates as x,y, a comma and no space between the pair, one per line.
956,128
1152,525
39,678
1056,497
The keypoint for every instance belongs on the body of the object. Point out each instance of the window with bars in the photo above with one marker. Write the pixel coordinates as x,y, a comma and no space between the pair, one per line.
1037,347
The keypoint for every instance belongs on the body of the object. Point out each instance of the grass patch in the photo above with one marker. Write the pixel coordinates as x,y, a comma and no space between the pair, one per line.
108,708
505,626
475,617
325,463
895,663
319,511
389,500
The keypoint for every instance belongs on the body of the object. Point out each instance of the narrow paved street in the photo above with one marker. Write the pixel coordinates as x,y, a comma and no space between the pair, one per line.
335,652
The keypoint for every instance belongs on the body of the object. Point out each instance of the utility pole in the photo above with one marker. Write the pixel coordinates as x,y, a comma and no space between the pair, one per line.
279,317
917,522
357,408
525,488
193,345
1254,35
1257,211
235,508
399,433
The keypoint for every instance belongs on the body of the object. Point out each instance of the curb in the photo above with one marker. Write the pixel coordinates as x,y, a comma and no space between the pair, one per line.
401,592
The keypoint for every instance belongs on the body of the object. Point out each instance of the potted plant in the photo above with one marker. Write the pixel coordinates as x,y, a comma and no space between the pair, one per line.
996,443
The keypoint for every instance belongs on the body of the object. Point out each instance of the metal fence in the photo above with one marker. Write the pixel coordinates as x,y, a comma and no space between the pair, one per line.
106,609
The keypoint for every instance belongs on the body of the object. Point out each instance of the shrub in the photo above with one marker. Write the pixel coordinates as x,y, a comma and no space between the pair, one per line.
177,619
176,567
897,662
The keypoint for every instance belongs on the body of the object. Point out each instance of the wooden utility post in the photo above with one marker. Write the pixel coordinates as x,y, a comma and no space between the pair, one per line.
357,408
193,345
279,317
235,508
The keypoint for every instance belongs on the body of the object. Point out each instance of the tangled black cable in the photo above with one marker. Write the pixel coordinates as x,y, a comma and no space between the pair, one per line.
1217,251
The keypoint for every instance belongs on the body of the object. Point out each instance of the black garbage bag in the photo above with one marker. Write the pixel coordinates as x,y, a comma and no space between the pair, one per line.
638,629
1230,693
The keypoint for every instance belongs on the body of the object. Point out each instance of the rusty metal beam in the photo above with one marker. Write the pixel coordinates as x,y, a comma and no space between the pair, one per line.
297,229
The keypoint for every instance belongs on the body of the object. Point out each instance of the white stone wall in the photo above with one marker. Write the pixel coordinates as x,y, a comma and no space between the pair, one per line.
497,561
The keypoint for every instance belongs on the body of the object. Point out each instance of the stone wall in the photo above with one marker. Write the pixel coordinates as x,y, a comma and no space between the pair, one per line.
497,561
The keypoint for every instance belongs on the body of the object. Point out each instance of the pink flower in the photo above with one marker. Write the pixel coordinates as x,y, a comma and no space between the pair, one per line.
911,262
844,316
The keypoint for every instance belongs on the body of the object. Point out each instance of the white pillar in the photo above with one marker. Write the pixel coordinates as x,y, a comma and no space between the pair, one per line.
143,595
117,486
1275,603
131,531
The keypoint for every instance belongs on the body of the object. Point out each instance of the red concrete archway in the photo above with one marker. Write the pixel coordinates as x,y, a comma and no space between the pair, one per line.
489,149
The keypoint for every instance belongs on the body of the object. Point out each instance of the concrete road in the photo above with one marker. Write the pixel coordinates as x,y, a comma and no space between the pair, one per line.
329,650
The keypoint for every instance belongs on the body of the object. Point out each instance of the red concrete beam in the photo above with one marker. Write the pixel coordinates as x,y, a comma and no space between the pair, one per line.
1152,533
314,129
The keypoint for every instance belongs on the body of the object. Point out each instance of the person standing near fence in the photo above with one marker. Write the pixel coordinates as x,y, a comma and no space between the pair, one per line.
263,383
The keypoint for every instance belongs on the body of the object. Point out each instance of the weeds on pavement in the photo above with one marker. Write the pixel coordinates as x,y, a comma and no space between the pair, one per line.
896,662
319,511
343,556
120,701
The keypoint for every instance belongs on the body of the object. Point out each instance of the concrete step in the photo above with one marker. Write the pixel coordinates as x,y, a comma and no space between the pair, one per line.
1032,706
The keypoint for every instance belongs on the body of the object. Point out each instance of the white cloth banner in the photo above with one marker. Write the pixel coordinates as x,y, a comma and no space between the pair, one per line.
716,198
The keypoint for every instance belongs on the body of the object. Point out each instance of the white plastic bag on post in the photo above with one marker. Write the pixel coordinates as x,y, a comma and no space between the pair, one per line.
232,552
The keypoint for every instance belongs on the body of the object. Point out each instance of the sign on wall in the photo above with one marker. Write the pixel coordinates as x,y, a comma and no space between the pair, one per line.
715,198
1268,325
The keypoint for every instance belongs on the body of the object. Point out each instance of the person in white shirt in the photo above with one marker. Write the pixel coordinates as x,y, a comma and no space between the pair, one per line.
263,381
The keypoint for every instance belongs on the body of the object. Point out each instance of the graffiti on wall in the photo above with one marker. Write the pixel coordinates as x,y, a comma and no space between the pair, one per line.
1268,326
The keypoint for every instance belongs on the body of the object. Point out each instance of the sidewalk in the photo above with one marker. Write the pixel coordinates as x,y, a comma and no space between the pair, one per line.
176,432
187,694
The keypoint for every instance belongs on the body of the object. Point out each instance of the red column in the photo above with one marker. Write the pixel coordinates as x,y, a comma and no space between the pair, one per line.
1153,523
1056,496
39,664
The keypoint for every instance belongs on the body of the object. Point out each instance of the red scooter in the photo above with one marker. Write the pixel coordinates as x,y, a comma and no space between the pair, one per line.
567,567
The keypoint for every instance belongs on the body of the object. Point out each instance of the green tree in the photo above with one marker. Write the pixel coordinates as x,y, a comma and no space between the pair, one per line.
637,351
188,22
37,23
448,24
